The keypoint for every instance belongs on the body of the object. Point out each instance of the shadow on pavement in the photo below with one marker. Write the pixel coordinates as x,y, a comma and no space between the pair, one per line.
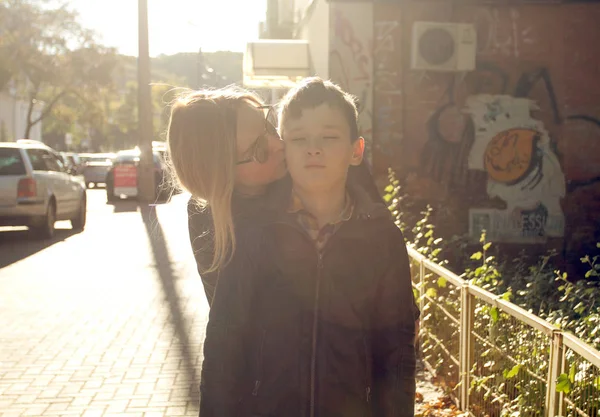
16,245
163,263
130,205
124,206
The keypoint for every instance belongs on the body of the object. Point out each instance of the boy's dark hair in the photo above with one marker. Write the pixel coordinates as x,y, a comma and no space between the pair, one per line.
314,91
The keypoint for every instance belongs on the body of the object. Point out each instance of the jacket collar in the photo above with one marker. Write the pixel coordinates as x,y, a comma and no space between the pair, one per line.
365,207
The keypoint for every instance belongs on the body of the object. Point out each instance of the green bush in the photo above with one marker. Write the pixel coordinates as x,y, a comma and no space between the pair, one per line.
570,303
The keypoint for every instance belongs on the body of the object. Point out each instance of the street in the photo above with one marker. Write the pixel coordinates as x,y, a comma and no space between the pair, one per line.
106,322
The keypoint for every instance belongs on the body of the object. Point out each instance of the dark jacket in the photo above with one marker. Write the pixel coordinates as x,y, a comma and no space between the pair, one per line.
295,334
200,228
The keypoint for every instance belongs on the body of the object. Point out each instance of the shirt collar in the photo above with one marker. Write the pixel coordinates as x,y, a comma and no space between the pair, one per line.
297,207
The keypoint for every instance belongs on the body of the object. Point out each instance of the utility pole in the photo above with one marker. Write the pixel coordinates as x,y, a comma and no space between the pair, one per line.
200,69
146,186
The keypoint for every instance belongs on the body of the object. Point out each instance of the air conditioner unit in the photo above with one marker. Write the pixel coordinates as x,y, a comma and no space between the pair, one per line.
438,46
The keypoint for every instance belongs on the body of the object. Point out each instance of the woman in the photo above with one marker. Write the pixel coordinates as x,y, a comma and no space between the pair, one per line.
224,149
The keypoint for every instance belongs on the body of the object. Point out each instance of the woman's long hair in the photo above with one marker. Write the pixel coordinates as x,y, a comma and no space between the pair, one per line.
202,146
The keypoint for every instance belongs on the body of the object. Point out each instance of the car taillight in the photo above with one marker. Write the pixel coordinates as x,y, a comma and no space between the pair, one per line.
26,188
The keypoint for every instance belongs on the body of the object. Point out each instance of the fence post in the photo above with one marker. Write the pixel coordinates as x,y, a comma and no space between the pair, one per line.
562,369
555,368
421,285
467,317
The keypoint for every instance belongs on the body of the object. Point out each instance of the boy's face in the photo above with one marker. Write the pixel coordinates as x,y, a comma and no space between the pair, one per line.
318,148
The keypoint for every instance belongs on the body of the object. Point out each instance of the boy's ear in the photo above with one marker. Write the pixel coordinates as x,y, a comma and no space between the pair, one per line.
358,151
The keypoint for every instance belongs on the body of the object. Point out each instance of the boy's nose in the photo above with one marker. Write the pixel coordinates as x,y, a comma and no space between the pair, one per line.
314,146
314,150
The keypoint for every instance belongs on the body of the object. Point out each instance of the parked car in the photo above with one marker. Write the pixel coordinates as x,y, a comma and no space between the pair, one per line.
131,157
36,190
95,167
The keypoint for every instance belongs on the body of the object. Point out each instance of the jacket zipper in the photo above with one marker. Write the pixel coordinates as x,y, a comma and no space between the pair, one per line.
313,359
368,366
259,365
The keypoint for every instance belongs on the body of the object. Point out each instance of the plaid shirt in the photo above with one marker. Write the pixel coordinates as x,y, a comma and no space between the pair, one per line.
311,225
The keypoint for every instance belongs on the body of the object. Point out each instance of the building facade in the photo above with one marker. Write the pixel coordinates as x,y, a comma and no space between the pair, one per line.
510,142
13,118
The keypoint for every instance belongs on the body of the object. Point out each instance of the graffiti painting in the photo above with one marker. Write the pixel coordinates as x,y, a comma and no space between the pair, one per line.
351,59
522,167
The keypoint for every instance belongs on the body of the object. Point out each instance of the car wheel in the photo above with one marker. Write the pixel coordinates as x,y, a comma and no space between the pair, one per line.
45,229
78,222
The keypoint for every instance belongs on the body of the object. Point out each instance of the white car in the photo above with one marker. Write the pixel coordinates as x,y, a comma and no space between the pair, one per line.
36,190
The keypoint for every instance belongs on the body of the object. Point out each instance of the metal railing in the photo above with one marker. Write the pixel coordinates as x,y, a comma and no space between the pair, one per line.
495,358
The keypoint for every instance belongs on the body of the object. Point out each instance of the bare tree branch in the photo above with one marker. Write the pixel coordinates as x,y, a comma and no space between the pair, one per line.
49,106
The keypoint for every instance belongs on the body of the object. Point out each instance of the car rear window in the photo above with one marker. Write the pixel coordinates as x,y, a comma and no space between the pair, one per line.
11,162
126,158
36,157
94,159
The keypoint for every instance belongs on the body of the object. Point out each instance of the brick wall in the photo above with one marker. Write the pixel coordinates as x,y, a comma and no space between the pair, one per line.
538,68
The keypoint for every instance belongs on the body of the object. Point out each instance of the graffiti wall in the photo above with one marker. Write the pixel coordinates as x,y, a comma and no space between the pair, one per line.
513,146
523,170
387,89
351,58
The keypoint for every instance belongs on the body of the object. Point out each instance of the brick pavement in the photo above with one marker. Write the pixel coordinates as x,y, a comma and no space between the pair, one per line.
90,327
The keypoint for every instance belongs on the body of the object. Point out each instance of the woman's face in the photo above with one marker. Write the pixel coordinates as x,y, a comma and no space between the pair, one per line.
253,177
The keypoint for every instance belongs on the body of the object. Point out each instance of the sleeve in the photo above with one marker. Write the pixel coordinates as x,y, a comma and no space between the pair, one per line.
224,366
393,338
200,228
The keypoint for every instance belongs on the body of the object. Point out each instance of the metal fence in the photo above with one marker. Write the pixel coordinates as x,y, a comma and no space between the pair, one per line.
495,358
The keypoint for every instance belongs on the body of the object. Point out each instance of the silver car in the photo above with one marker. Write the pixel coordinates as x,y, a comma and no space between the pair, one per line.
95,167
36,191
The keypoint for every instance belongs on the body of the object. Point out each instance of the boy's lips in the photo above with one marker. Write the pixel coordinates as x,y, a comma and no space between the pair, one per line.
314,166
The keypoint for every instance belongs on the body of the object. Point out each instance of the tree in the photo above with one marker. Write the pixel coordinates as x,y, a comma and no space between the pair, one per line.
122,127
214,69
51,58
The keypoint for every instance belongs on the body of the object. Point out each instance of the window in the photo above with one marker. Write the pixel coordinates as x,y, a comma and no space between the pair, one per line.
53,162
11,162
36,156
43,160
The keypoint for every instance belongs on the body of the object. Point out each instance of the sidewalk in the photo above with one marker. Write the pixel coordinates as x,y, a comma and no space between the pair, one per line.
430,400
112,333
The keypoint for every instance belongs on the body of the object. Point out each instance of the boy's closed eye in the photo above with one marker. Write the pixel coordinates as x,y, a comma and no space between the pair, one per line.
299,139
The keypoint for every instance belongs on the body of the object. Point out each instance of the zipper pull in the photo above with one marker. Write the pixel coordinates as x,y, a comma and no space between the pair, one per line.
320,260
368,394
256,387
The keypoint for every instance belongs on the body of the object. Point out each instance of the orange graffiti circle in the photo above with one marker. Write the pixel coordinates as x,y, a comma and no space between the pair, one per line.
509,155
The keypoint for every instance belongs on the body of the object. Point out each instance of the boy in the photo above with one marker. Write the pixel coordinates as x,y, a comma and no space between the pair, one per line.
319,320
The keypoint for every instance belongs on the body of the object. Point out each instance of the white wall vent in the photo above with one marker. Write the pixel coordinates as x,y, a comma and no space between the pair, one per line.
439,46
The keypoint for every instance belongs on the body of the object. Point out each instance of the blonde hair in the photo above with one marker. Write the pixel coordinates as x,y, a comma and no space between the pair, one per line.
201,139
